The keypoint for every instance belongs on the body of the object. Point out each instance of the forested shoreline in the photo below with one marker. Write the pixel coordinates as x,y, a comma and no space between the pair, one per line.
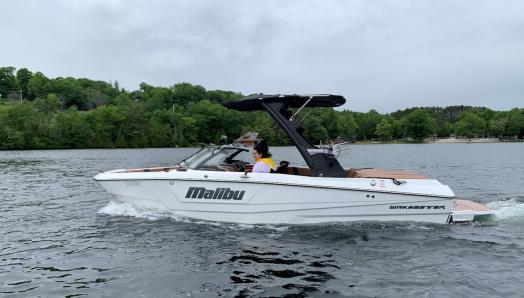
37,112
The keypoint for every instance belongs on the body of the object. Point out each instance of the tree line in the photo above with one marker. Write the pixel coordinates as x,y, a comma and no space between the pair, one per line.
37,112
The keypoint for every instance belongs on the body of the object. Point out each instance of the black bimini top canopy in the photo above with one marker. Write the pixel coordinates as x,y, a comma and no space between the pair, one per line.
254,102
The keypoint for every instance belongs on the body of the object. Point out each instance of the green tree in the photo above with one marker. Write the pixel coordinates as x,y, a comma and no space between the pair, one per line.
3,127
445,129
419,124
328,120
263,124
7,81
314,130
159,129
122,100
159,98
346,125
133,126
209,117
398,129
70,129
184,129
497,126
21,126
23,76
70,91
516,123
367,124
37,85
220,96
50,104
185,93
384,129
470,125
106,124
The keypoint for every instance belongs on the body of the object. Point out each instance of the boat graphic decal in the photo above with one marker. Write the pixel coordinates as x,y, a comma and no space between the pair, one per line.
434,207
214,194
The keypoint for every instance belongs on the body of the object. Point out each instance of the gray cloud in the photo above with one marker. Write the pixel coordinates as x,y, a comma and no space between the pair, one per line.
385,55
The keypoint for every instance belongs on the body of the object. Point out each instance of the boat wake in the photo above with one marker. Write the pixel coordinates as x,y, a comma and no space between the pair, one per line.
511,209
115,208
506,210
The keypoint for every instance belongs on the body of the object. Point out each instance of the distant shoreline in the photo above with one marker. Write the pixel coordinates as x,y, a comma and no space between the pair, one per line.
462,140
442,141
356,143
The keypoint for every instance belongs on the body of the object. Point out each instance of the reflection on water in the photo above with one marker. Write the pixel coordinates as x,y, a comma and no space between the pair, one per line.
62,235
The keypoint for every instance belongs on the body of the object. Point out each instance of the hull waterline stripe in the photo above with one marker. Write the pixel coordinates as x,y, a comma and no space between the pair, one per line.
312,216
308,209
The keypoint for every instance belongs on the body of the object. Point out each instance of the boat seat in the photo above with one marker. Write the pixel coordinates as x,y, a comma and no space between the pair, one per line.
227,168
282,168
298,171
381,173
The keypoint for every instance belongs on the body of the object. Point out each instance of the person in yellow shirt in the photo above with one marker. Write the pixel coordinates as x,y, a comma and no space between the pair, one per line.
263,161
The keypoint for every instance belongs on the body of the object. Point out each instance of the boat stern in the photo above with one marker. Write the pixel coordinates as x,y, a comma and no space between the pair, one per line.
468,211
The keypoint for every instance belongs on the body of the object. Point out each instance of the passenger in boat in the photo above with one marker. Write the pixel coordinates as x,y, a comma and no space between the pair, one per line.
264,162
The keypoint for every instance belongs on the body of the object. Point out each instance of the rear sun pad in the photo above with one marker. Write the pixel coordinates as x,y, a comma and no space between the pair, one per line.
381,173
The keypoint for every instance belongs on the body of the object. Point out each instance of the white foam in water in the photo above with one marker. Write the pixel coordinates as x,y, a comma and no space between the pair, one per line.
125,209
512,209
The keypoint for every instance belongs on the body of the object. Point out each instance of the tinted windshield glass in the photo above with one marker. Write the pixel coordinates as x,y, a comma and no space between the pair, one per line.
196,158
244,156
218,158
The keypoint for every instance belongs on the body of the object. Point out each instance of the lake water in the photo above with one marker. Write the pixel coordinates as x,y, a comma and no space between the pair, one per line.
61,235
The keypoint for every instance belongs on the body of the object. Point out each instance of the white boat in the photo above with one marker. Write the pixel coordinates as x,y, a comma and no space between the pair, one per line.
216,183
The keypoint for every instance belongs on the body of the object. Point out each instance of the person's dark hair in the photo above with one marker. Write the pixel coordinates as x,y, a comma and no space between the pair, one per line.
262,149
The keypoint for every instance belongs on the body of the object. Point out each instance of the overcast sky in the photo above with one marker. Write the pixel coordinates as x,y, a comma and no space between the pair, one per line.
383,55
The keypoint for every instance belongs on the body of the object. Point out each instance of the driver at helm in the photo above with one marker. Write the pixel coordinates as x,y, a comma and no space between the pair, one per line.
263,161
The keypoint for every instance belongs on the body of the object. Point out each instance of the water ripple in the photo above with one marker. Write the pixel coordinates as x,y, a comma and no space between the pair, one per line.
61,235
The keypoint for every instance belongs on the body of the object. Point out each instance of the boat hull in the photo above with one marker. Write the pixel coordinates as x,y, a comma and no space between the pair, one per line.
264,199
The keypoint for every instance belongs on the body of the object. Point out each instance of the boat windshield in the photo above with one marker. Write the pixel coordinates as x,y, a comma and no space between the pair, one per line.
196,158
216,156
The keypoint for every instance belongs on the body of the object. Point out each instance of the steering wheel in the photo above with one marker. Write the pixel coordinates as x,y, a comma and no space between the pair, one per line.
239,165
